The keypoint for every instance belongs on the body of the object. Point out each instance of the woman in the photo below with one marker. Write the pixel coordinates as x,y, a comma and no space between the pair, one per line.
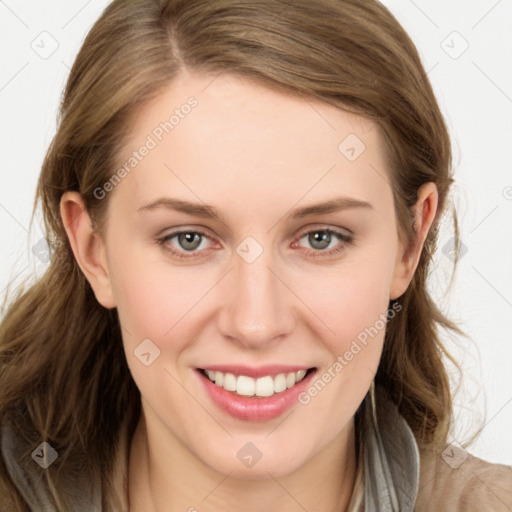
242,200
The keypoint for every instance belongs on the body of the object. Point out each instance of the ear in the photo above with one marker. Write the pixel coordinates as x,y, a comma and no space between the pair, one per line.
88,246
424,213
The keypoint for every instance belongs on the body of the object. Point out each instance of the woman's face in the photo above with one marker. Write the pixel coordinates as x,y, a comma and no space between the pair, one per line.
268,286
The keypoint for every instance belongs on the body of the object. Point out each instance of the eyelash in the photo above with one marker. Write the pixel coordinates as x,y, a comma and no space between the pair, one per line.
346,239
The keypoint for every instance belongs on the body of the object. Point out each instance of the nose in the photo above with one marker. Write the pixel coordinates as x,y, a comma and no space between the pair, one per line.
257,307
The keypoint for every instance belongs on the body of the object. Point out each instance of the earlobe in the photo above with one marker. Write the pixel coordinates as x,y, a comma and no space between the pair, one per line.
424,212
87,245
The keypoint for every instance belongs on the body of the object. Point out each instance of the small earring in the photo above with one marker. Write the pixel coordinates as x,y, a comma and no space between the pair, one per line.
373,404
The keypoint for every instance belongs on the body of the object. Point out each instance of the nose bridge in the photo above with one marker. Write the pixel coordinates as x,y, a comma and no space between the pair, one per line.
256,308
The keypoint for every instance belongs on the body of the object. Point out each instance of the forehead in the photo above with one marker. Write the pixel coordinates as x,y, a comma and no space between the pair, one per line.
228,136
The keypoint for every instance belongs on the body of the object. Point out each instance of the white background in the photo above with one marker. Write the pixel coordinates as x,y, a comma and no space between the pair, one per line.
474,89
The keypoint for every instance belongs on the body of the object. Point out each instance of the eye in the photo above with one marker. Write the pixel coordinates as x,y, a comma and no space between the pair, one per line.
325,241
186,242
189,244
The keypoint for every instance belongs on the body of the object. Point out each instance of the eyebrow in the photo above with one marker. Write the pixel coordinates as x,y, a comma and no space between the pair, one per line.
209,212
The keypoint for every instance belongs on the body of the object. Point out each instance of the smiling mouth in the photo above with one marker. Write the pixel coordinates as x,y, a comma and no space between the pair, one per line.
260,387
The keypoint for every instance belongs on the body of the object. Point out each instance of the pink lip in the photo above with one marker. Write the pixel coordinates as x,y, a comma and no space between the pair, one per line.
254,408
255,372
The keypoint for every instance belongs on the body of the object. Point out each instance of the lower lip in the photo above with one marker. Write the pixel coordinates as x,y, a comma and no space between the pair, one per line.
254,408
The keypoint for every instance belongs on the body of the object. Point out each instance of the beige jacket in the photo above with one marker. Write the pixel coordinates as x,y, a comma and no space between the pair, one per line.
474,486
396,476
392,477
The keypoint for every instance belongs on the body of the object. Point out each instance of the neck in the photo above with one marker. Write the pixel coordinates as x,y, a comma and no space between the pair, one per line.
172,478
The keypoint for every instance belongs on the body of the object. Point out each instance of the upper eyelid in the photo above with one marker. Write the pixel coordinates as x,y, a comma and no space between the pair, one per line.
307,229
336,230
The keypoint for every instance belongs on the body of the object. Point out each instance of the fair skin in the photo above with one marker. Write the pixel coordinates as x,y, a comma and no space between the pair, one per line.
255,155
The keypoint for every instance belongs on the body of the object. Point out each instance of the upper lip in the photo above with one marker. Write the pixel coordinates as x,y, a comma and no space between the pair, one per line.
255,371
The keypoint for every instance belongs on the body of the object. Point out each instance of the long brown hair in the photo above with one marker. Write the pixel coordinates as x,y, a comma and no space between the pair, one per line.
63,373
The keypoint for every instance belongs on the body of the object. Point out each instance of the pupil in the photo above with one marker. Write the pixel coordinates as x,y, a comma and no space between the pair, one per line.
188,238
322,237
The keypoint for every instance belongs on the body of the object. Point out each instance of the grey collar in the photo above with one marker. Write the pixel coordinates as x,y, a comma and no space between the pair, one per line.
390,465
391,456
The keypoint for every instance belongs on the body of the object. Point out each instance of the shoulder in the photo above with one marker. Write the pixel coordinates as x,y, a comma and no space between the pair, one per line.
453,480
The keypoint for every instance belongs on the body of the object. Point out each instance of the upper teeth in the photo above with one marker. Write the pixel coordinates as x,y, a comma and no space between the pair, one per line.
262,386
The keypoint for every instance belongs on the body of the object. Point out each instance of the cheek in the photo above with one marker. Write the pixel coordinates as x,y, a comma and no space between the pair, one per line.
359,322
354,305
352,298
152,293
157,304
154,300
